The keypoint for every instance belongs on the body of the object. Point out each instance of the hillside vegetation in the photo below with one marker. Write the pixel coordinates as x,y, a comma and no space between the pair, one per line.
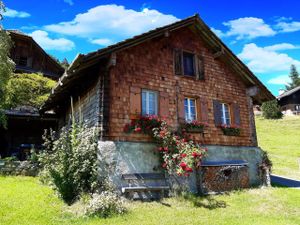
281,138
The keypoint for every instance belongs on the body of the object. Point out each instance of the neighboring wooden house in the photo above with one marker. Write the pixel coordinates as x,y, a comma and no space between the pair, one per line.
29,57
25,125
180,72
289,101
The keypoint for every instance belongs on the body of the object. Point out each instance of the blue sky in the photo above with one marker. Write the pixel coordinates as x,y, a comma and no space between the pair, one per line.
263,34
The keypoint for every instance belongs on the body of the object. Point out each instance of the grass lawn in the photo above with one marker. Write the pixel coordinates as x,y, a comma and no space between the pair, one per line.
281,138
24,201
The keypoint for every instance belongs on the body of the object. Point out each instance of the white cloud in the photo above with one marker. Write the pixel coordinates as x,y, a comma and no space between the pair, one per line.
280,80
102,41
113,22
248,28
60,44
281,46
287,27
262,60
15,14
219,33
70,2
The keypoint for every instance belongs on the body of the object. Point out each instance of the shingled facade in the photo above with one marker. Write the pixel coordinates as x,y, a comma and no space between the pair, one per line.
179,72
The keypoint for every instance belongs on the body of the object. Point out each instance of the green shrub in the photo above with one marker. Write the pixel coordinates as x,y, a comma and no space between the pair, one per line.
105,204
70,161
271,110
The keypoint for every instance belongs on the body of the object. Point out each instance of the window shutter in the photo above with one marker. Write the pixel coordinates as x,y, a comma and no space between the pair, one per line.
217,112
181,113
178,61
163,104
135,101
199,64
236,114
203,115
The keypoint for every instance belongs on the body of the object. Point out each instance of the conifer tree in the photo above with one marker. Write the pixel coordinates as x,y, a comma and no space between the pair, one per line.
295,78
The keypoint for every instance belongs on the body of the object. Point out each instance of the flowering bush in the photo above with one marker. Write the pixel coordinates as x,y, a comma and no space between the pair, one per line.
105,204
178,154
143,124
231,130
194,126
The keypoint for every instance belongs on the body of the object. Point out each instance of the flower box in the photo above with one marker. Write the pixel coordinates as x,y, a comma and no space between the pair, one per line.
231,130
194,127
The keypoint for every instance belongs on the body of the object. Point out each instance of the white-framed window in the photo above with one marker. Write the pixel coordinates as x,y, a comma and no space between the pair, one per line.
225,114
149,102
190,109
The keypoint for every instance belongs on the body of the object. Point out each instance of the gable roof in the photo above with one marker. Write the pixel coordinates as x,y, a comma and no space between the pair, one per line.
83,61
21,35
288,93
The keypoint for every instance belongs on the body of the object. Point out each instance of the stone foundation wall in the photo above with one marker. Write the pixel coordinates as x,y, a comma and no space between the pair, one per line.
117,158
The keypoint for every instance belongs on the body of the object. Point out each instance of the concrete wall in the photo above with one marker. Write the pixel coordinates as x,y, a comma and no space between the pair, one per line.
117,158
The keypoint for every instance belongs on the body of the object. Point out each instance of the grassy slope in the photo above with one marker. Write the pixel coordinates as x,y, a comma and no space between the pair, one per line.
281,138
24,201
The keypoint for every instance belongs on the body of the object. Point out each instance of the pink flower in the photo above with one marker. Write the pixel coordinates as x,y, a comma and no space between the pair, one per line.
164,165
188,169
138,129
182,165
166,149
183,155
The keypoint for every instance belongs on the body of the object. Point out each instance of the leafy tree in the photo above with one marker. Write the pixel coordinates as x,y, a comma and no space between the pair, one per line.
271,110
6,66
28,89
295,77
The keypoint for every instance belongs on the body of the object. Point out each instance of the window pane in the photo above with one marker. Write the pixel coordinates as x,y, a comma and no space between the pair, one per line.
188,64
149,103
144,103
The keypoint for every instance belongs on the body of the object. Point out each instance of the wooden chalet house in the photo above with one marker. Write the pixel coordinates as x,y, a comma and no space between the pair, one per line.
181,71
289,101
25,125
29,57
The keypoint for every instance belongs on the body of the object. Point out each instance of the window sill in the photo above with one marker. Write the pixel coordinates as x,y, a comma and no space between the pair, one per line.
189,77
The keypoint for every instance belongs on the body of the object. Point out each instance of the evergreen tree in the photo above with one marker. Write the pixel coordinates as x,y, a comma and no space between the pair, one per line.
65,64
295,78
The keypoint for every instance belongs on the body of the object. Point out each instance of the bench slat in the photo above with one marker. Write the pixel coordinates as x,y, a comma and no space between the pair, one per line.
143,176
145,188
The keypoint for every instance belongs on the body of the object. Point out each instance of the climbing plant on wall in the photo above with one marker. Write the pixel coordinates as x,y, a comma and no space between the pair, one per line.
177,153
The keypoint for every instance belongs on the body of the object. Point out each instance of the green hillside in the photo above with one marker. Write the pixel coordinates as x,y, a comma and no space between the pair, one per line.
281,138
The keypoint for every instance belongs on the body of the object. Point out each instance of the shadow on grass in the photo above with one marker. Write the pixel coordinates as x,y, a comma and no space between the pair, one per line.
208,202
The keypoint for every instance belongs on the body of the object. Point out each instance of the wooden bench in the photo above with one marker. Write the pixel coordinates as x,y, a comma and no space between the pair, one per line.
140,182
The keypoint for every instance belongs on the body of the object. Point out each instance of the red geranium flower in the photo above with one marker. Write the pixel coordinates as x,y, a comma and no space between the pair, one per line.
164,165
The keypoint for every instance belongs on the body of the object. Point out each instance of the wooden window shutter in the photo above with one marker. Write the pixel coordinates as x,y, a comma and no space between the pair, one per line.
135,101
181,113
178,62
236,114
217,112
164,104
199,64
202,110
